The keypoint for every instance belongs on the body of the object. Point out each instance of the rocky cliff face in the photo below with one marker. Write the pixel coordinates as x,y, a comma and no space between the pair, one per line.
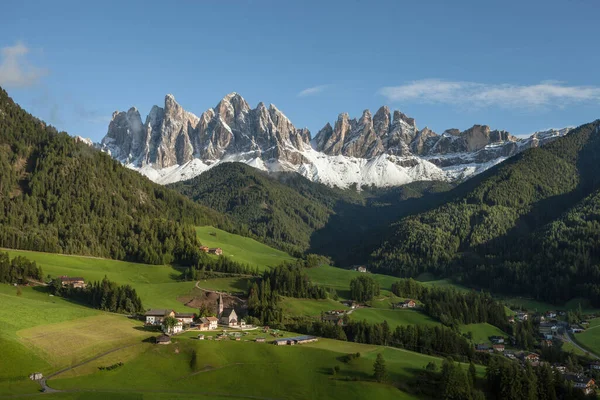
384,149
172,136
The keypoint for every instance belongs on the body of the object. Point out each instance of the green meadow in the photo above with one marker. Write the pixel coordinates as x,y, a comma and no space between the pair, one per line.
250,369
43,333
242,249
393,317
157,285
309,307
481,332
590,338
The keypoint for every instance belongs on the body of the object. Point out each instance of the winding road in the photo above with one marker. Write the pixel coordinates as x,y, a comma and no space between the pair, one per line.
567,338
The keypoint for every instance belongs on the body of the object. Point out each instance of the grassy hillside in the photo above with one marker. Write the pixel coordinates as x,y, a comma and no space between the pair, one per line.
481,332
590,338
507,228
241,249
339,279
251,369
61,196
393,317
43,333
157,285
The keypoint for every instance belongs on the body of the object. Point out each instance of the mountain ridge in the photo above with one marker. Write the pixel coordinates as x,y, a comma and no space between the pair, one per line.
384,149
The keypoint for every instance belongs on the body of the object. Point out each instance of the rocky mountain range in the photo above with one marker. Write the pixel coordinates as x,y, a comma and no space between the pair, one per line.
385,149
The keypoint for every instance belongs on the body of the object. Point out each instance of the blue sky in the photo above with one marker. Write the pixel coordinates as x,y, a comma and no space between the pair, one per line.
514,65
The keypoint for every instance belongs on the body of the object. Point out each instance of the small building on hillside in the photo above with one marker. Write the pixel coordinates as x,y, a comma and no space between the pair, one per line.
560,368
215,250
172,330
163,339
409,304
76,282
36,376
156,316
498,347
522,316
200,337
595,366
581,382
360,268
260,340
511,319
531,357
295,340
208,323
185,318
350,303
483,347
229,317
497,339
204,249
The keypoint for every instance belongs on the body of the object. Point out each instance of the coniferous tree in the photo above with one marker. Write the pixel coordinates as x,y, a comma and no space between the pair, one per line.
379,368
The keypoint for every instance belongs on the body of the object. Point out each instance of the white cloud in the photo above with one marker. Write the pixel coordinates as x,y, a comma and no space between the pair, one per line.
475,95
15,69
311,91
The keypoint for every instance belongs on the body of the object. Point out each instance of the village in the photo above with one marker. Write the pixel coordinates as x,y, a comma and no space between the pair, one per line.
552,329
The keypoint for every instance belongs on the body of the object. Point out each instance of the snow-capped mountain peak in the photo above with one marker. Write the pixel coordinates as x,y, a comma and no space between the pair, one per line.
384,149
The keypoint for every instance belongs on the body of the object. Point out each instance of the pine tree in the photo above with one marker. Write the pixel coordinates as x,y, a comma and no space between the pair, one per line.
379,368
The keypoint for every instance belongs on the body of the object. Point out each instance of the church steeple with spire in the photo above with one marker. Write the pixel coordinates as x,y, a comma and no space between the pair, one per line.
220,306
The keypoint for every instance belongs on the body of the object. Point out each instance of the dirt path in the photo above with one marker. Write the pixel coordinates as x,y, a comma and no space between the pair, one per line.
47,389
217,292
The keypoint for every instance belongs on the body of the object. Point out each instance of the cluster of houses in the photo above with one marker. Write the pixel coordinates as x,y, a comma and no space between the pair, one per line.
157,317
226,316
407,304
211,250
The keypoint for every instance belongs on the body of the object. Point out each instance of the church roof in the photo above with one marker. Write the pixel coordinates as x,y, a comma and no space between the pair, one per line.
227,312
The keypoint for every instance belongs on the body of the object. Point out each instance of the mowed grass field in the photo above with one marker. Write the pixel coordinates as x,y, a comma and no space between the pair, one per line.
339,279
590,338
42,333
242,249
252,369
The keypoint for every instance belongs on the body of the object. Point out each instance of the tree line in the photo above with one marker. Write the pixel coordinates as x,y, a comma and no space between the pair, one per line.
18,270
363,288
104,295
453,307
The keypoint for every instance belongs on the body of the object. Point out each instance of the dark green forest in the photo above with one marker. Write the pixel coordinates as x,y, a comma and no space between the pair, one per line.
104,295
283,215
18,270
529,225
287,211
61,196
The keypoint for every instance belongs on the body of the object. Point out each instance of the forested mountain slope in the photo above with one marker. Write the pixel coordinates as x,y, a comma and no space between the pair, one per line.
292,213
528,225
58,195
280,209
